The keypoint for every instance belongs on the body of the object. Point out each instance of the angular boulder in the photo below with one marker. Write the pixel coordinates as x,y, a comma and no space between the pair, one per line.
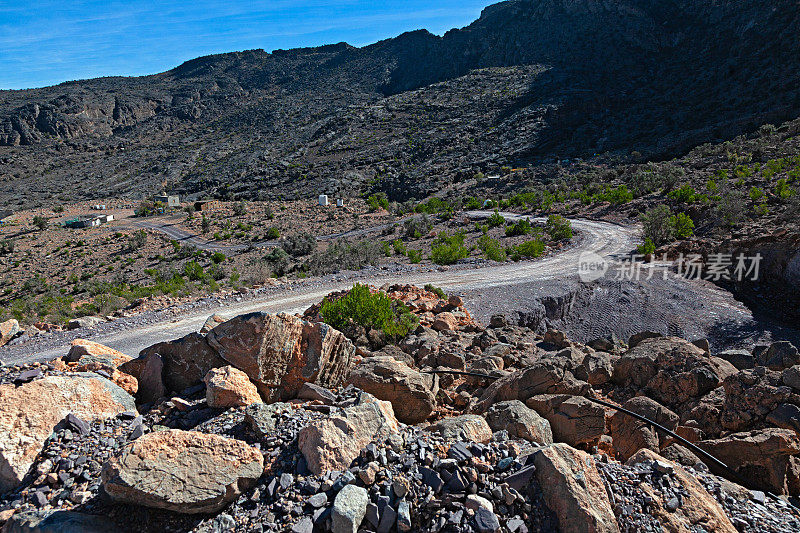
349,509
30,412
280,353
412,394
85,352
58,521
8,330
767,458
229,387
629,435
573,490
543,377
750,395
519,421
186,361
670,369
573,419
780,355
182,471
469,428
332,443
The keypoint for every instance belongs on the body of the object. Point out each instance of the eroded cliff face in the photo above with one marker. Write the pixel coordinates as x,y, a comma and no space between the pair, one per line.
527,80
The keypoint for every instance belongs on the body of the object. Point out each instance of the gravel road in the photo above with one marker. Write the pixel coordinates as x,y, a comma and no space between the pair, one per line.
604,306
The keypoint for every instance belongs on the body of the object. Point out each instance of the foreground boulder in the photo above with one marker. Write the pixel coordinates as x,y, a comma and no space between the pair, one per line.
185,361
30,412
671,370
8,330
229,387
630,435
412,394
53,521
519,421
573,419
468,428
541,378
89,356
698,510
332,443
282,352
182,471
574,490
767,459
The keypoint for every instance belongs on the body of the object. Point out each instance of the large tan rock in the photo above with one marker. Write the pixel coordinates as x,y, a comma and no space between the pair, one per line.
468,428
229,387
519,421
630,435
573,419
671,370
698,511
543,377
413,395
89,356
282,352
182,471
767,459
30,412
332,443
8,329
574,490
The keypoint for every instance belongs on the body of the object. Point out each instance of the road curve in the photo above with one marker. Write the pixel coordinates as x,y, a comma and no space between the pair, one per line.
605,239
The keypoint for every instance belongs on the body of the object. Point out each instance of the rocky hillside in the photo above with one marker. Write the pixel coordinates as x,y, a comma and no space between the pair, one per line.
528,81
281,423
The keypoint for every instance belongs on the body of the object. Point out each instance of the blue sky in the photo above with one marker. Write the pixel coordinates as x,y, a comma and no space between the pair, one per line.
44,42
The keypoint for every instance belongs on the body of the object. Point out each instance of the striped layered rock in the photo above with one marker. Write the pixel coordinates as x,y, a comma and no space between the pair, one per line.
280,353
30,412
182,471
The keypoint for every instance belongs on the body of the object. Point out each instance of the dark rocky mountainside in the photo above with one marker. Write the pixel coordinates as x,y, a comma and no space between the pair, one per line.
527,82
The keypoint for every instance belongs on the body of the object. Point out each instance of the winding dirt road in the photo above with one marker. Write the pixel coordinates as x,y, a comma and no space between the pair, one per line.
605,239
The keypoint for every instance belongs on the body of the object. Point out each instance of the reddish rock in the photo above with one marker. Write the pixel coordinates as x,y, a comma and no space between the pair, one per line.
229,387
573,419
630,435
280,353
8,329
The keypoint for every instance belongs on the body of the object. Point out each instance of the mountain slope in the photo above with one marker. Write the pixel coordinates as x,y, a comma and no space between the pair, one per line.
527,81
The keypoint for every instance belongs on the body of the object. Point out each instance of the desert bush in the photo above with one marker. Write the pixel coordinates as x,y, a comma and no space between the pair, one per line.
343,255
685,194
472,203
193,271
299,245
137,239
521,227
273,233
145,209
682,225
430,287
782,189
647,247
370,310
218,257
491,248
532,248
7,246
558,227
414,256
239,209
756,193
417,227
730,205
40,222
399,247
495,220
656,226
386,248
447,249
377,201
205,224
433,206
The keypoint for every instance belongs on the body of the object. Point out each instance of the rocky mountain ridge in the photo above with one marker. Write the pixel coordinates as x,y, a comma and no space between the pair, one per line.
528,81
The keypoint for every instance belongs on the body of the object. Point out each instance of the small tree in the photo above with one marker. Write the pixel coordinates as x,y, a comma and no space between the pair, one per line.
559,228
205,224
495,220
656,226
239,209
682,225
40,222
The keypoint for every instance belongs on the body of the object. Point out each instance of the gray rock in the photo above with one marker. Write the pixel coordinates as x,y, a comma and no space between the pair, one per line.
791,377
741,359
262,418
519,421
58,522
486,521
780,355
349,509
403,516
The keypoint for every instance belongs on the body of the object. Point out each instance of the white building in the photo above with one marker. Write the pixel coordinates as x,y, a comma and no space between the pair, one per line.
339,203
323,199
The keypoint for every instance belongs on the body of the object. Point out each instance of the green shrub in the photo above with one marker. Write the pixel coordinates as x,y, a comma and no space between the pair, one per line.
533,248
447,249
40,222
782,189
193,271
273,233
414,256
647,247
377,201
386,248
472,203
656,227
343,255
682,225
399,247
369,310
278,261
239,209
137,239
558,227
491,248
299,245
685,194
436,290
205,224
521,227
756,194
495,220
433,206
417,227
218,257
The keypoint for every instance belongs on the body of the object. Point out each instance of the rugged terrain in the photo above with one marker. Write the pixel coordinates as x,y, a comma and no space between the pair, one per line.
281,423
528,82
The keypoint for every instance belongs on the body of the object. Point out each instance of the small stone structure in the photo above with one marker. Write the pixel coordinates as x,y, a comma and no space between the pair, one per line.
323,199
340,203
